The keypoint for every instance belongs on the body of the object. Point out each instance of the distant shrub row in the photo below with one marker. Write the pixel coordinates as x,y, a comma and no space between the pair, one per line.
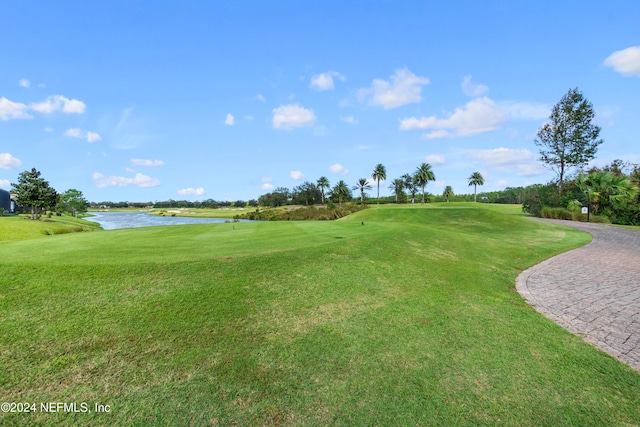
307,213
562,213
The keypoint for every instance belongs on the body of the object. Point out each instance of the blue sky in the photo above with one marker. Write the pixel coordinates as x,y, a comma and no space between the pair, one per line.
153,100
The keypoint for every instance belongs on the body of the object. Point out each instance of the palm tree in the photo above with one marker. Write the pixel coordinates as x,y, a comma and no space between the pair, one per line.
323,183
362,185
605,187
423,175
341,190
410,184
475,179
379,174
397,186
448,192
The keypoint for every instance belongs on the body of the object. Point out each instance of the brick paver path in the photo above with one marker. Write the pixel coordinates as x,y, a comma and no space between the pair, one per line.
593,291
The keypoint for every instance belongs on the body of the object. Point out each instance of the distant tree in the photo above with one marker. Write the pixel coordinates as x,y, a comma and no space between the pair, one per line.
397,187
569,139
410,184
362,185
475,179
306,194
423,175
448,192
73,202
279,197
34,192
323,184
341,191
379,174
239,204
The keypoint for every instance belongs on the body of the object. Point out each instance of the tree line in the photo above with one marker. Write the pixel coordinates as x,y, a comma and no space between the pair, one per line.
404,189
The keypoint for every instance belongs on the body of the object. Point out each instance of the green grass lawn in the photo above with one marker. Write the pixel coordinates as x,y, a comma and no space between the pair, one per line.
411,319
19,227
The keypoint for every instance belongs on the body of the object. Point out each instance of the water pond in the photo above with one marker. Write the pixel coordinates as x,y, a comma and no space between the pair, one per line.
115,220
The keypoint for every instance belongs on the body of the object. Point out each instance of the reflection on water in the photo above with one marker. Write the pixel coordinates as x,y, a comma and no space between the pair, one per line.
115,220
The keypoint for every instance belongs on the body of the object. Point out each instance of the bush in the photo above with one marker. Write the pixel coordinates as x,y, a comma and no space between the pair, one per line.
555,213
304,213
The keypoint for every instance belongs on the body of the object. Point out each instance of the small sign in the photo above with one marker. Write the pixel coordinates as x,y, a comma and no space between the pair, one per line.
585,210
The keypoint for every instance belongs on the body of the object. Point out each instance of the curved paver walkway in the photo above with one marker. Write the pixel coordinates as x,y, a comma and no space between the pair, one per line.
593,291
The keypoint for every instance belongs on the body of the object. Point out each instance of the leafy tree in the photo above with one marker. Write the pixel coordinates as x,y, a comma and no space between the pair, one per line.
397,186
569,139
410,184
475,179
379,174
279,197
33,191
306,194
362,185
423,175
341,191
323,184
448,192
74,202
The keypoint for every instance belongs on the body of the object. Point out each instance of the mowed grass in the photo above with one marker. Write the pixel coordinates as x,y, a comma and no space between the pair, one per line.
411,319
19,227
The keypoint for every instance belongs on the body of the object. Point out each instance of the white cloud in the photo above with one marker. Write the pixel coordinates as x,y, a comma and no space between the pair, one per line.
338,169
73,132
296,175
501,184
230,120
191,191
404,88
48,129
437,134
79,133
59,103
7,161
266,183
5,183
140,180
436,159
146,162
324,81
502,156
350,120
93,137
473,89
520,161
524,110
129,170
260,98
13,110
625,61
478,116
292,116
24,83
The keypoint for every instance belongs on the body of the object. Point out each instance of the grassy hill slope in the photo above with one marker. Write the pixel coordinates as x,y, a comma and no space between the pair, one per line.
411,318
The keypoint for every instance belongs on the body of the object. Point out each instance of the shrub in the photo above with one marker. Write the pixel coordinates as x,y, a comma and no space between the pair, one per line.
304,213
555,213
